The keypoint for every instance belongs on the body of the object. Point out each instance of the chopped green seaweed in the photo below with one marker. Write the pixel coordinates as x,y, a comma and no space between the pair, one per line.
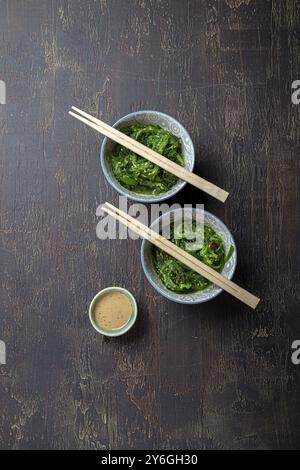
140,175
179,278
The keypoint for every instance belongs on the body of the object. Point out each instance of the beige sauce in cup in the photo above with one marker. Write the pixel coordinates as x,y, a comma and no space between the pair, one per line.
113,310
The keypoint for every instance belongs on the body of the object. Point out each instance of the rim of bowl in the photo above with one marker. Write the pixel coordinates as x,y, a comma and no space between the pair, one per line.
124,329
169,296
147,197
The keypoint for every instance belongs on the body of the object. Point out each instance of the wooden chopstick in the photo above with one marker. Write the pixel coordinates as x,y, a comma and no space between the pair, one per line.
153,234
185,258
150,155
182,256
193,263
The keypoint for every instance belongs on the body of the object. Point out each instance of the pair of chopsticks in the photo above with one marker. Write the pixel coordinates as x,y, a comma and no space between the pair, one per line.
150,155
181,255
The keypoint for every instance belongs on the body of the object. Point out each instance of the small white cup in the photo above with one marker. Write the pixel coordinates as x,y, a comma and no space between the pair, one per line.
123,329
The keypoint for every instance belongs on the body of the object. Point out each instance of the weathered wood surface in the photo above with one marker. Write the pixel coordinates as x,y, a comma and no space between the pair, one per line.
212,376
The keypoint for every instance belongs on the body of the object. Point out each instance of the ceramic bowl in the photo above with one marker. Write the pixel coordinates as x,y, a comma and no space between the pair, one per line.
148,117
119,331
196,297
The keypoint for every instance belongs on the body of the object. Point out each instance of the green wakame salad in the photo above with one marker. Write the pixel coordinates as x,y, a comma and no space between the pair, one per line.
175,275
140,175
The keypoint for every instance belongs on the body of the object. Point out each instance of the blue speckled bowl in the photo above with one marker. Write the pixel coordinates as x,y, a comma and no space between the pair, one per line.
196,297
164,121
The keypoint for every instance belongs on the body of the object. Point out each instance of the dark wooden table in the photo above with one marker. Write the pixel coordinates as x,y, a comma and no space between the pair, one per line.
213,376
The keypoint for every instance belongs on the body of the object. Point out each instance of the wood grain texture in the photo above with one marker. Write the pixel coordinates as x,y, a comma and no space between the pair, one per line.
216,376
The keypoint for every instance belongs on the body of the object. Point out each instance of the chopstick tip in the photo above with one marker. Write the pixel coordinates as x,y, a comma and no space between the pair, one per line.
223,195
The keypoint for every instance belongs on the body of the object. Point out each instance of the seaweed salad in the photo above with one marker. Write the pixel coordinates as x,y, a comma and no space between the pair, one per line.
176,276
140,175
